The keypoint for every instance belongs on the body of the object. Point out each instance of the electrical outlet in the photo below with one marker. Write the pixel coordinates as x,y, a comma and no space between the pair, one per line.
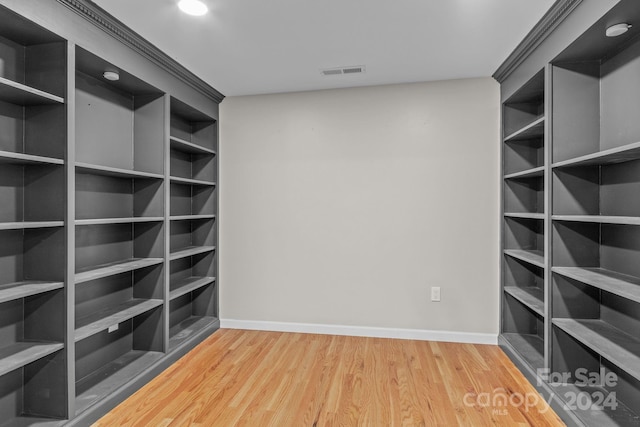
113,328
435,293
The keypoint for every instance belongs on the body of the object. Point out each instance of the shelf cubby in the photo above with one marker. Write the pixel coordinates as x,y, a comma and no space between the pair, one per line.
189,237
523,112
524,194
521,155
116,117
190,313
523,329
524,239
118,198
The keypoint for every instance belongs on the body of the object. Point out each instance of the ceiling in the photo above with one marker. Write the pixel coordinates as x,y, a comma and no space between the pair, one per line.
244,47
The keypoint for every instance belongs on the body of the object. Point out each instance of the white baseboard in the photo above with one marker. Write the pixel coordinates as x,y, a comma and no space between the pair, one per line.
362,331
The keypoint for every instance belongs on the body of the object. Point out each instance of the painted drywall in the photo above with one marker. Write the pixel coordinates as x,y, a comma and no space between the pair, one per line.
343,207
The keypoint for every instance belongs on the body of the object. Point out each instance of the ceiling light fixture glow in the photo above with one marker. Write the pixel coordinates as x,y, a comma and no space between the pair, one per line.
193,7
617,30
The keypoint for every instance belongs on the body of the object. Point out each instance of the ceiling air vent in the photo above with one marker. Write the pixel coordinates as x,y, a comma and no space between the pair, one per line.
354,69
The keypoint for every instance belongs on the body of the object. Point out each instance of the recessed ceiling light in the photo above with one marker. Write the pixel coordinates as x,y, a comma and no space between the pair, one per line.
617,30
193,7
113,76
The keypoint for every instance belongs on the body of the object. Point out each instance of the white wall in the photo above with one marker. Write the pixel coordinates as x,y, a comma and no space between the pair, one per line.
343,207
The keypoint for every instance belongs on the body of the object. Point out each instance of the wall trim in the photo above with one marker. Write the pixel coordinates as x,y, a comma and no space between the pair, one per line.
125,35
554,16
362,331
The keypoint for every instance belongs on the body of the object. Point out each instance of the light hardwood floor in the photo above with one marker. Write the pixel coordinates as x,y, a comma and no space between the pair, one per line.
250,378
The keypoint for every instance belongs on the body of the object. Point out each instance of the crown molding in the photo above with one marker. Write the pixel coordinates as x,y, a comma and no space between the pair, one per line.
110,25
554,16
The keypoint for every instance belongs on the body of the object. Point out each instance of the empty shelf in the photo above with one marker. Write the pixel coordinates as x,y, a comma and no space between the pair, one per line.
101,221
190,251
532,257
529,173
20,354
186,329
609,281
20,225
116,172
524,215
27,159
529,347
17,93
100,321
114,268
532,130
530,296
188,285
17,290
190,217
614,155
602,219
611,343
102,382
189,181
189,147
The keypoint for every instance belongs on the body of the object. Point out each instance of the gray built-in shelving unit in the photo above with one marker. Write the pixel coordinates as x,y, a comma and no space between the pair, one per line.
571,212
108,220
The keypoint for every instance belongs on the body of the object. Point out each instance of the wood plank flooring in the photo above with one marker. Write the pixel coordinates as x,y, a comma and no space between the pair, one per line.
252,378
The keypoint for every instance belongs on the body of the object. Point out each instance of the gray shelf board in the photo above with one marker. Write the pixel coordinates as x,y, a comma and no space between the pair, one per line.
189,284
189,147
616,283
17,355
100,221
112,376
27,159
19,94
17,290
184,330
532,257
103,319
532,130
611,343
621,154
524,215
598,416
190,217
115,172
190,251
529,346
189,181
530,296
21,225
111,269
601,219
29,421
529,173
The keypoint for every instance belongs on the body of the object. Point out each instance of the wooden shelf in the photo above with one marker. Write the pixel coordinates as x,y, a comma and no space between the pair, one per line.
101,221
618,284
27,159
100,321
21,225
601,219
532,257
20,354
115,172
191,217
114,268
188,285
19,94
102,382
186,329
622,154
611,343
189,181
17,290
532,130
530,347
530,296
529,173
189,147
190,251
524,215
